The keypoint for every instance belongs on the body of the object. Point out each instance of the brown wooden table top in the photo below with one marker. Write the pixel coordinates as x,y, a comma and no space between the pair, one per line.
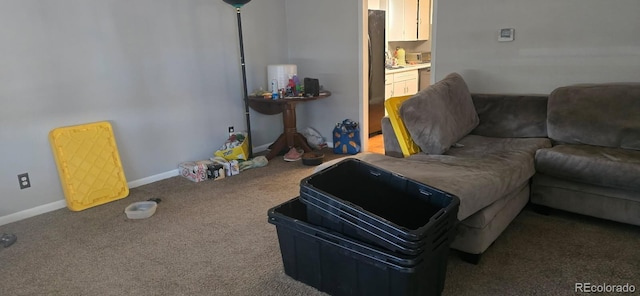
270,106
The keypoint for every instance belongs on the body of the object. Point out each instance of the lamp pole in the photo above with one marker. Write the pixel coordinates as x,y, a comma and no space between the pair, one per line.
238,5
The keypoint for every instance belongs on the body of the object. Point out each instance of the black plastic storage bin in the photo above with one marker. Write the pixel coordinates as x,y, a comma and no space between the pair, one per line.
348,225
381,207
339,265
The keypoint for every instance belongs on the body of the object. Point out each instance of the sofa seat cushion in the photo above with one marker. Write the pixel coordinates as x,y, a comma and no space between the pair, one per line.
608,167
440,115
480,173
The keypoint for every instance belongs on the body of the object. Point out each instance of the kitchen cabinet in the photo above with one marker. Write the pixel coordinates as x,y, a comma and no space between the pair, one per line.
388,86
377,4
409,20
388,89
403,20
424,19
405,83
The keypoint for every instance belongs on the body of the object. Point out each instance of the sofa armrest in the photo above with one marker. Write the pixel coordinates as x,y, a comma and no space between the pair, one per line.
391,144
511,116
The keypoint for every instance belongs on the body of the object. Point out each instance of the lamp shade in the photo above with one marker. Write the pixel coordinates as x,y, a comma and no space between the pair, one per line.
237,3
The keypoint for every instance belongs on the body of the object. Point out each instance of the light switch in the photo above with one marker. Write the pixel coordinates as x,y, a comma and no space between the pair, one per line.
506,34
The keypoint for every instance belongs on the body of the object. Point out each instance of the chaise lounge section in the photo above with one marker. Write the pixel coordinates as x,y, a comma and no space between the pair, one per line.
485,148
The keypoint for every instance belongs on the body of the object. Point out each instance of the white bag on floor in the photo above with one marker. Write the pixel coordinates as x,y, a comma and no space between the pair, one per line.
314,138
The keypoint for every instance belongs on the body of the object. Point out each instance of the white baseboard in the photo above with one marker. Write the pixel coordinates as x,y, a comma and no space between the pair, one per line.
261,148
56,205
154,178
28,213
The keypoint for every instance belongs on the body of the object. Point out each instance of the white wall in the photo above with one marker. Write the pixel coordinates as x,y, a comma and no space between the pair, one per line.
556,43
324,41
165,73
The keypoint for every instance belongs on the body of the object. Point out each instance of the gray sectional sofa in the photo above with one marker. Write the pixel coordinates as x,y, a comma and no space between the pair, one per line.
593,167
487,149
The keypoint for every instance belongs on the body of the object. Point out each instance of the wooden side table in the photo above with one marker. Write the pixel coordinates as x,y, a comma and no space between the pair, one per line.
287,106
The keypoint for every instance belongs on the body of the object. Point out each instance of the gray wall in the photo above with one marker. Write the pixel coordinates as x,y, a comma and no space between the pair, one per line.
324,43
165,73
556,43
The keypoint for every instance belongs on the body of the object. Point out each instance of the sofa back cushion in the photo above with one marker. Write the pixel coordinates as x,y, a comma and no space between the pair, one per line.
511,116
440,115
605,115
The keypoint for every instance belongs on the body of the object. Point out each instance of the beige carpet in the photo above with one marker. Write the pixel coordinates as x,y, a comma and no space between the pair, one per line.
212,238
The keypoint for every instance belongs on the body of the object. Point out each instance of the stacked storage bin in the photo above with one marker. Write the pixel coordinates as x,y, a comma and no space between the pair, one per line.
357,229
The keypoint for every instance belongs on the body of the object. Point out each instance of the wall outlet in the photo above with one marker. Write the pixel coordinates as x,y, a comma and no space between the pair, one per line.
24,181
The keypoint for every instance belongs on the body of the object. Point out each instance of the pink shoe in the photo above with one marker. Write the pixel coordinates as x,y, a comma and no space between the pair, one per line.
293,155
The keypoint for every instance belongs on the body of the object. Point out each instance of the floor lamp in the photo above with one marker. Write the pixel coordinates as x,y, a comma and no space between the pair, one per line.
238,4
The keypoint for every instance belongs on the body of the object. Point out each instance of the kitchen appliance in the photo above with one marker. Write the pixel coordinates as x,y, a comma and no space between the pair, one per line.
376,69
400,54
413,57
426,57
424,77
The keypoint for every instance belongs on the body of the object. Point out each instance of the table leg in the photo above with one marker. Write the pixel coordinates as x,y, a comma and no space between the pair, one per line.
290,137
289,123
301,141
277,146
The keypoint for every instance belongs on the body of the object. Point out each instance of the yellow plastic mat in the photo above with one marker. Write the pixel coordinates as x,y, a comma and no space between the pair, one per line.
407,145
88,164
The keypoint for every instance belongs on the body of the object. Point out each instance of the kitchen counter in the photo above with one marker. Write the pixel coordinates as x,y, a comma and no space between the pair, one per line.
407,67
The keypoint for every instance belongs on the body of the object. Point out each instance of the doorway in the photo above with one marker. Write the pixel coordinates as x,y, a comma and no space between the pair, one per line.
423,44
376,144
